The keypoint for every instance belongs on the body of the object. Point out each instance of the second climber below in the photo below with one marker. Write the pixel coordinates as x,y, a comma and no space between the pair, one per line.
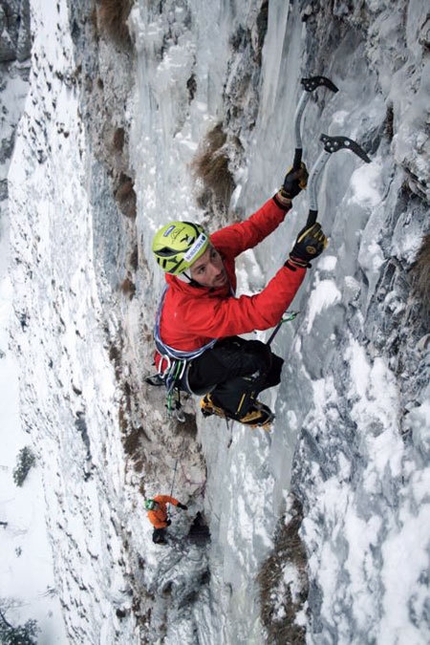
200,317
159,517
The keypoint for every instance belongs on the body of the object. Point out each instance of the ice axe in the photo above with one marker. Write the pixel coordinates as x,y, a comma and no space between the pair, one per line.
331,145
309,86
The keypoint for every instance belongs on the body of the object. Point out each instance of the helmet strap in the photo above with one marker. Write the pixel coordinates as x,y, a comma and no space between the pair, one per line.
184,277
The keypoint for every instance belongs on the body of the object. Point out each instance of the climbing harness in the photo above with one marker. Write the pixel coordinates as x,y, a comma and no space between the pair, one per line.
173,367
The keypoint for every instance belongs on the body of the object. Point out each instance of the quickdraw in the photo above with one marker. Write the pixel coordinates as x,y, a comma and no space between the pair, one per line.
173,397
288,315
170,373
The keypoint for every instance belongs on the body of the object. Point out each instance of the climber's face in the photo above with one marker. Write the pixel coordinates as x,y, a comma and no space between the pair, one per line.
208,270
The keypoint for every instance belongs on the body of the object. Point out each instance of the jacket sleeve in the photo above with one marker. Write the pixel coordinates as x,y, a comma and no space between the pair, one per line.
220,317
236,238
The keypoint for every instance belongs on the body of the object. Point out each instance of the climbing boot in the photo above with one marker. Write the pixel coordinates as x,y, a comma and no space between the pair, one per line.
209,408
258,416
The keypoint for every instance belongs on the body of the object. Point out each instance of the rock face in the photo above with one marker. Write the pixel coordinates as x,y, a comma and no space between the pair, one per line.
375,336
15,45
15,39
122,130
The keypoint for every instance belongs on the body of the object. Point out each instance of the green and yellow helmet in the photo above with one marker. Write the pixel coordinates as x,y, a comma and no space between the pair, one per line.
178,244
150,504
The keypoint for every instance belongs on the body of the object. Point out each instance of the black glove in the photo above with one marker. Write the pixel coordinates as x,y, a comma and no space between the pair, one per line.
182,507
310,243
168,522
294,182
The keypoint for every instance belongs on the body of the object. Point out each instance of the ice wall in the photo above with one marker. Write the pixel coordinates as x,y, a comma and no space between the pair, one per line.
350,438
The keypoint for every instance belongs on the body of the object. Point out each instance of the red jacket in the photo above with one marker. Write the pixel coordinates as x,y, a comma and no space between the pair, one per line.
158,517
193,316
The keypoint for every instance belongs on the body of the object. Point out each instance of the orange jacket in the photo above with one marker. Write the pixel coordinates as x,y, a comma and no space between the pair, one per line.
158,517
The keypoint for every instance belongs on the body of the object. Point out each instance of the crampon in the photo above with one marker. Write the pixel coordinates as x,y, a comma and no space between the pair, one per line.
258,416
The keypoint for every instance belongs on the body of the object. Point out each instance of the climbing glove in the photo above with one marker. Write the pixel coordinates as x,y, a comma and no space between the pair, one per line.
294,182
310,243
182,507
168,522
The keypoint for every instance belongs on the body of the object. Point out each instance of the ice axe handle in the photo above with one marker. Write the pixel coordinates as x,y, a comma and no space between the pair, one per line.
297,158
312,218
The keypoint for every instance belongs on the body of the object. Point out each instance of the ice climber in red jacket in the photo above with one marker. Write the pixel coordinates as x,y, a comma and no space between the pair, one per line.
200,317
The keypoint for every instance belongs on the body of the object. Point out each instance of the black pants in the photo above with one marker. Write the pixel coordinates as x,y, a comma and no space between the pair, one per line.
235,370
159,536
